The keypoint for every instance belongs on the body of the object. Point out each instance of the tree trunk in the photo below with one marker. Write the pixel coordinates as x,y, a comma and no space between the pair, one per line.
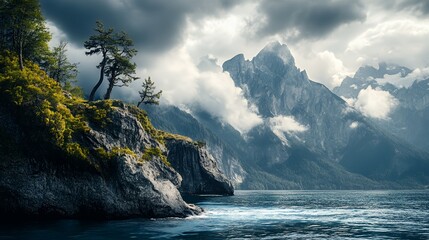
109,90
139,103
143,97
21,60
92,94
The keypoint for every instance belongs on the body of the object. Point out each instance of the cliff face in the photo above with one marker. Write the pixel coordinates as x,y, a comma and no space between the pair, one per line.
198,168
61,156
215,134
125,181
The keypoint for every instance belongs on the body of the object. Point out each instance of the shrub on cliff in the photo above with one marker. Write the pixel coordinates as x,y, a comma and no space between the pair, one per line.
54,121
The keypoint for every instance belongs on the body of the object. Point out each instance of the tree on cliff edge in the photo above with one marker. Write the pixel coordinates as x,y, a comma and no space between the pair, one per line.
119,68
23,30
100,43
147,95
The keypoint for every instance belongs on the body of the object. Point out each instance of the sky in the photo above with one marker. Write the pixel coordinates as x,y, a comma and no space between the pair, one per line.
182,44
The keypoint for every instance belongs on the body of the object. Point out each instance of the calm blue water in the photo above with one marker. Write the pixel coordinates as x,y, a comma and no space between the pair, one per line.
263,215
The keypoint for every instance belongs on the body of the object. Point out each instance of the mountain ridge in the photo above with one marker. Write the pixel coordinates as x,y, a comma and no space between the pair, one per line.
327,144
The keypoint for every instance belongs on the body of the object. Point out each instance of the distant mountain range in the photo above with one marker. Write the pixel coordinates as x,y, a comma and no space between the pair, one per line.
310,138
409,118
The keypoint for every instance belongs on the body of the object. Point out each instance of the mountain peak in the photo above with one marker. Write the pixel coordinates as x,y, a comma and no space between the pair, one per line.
279,50
367,71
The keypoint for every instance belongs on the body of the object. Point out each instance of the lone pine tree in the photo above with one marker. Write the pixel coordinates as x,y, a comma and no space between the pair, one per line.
119,68
102,42
147,95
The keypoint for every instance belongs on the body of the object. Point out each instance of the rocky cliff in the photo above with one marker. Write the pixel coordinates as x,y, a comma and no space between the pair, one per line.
64,157
222,141
198,168
118,183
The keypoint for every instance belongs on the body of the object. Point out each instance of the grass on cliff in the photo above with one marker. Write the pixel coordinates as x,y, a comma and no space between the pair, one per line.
51,117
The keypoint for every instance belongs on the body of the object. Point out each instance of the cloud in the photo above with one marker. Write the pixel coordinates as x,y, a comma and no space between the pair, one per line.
153,24
415,7
326,68
417,74
188,80
354,125
418,6
172,37
208,63
211,90
375,103
285,124
400,41
297,19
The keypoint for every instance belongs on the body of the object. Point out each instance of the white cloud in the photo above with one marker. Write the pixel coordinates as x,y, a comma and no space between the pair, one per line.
183,84
354,125
324,67
417,75
400,41
285,124
375,103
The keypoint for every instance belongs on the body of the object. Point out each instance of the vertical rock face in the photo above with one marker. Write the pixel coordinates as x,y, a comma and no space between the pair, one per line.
215,134
35,188
119,183
198,169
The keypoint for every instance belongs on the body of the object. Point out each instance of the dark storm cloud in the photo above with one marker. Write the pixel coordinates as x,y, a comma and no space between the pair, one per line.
309,19
153,24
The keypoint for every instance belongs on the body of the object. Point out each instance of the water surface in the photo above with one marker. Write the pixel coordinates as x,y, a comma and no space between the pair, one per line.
263,215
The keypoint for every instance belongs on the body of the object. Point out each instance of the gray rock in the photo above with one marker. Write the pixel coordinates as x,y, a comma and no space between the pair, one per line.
120,187
222,142
198,168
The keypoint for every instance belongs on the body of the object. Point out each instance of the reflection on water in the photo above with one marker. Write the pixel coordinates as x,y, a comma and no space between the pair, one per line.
263,215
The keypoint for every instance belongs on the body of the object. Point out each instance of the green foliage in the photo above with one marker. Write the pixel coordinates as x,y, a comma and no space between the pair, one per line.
97,112
41,106
75,91
147,94
119,68
53,119
76,151
200,144
150,153
142,117
167,135
117,51
23,30
115,152
60,68
100,43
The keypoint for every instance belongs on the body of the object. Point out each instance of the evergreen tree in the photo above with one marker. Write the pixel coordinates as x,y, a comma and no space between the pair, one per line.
119,69
147,95
100,43
23,30
60,68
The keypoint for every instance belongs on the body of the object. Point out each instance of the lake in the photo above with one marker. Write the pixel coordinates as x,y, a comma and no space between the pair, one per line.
262,215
